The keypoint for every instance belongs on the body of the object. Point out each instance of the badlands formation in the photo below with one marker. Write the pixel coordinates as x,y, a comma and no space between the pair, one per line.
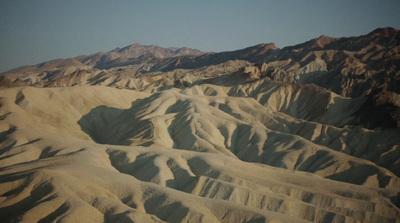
307,133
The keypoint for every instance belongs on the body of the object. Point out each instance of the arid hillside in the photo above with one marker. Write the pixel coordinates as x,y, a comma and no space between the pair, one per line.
307,133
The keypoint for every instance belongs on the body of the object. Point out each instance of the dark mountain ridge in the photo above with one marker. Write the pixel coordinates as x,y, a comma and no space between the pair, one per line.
133,54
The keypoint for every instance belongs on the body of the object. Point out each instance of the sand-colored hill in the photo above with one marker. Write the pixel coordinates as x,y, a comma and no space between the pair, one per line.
208,153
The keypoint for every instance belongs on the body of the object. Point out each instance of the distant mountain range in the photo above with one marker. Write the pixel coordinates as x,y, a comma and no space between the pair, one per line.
364,66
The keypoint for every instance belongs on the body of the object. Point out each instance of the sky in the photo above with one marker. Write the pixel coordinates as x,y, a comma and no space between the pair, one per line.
36,31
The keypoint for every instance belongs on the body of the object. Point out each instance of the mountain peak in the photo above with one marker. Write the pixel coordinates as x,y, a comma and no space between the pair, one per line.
129,54
268,46
323,40
263,45
135,47
136,50
386,32
261,48
264,48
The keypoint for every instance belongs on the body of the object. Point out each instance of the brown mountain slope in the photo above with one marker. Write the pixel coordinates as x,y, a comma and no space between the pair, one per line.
133,54
364,66
130,55
46,71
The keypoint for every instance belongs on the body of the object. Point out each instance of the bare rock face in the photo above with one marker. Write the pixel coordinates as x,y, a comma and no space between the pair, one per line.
7,83
307,133
253,72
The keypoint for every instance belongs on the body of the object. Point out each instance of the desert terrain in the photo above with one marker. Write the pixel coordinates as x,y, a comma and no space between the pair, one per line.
306,133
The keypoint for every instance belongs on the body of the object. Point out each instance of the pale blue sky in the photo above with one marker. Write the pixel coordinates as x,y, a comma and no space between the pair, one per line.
34,31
